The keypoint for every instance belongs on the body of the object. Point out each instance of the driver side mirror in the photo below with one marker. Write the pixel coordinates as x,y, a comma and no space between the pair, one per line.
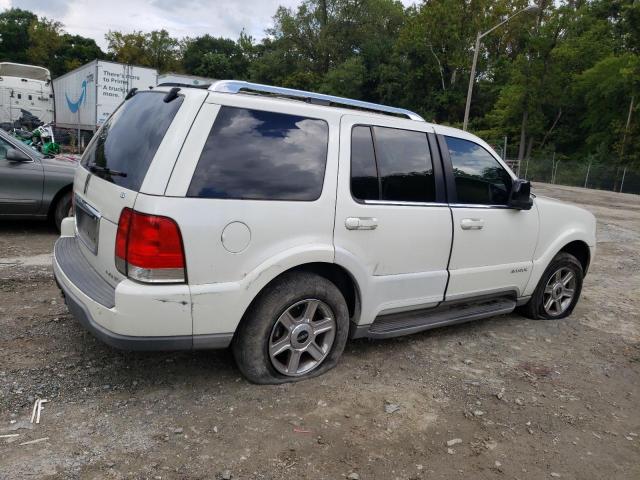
520,197
14,155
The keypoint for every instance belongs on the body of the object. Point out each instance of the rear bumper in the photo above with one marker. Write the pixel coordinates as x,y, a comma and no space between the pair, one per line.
113,314
123,342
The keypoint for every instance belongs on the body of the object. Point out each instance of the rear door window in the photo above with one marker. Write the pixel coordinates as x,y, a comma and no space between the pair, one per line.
260,155
125,146
391,164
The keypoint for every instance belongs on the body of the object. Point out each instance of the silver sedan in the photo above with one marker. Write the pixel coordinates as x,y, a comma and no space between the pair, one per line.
32,185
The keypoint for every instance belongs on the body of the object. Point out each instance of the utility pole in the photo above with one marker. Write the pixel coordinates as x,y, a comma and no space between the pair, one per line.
624,140
472,79
472,76
586,178
624,172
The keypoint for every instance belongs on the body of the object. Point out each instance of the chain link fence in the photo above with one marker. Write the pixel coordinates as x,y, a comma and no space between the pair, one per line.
549,169
578,174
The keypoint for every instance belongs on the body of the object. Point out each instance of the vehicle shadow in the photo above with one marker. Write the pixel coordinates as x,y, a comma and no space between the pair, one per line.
207,367
8,226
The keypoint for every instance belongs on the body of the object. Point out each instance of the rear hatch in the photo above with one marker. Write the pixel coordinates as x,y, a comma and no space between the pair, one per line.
116,163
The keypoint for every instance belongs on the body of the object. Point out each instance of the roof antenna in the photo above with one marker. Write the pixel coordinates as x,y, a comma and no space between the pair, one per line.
172,95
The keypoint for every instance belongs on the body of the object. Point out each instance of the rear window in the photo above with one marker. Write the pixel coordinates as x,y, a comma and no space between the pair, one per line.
259,155
122,151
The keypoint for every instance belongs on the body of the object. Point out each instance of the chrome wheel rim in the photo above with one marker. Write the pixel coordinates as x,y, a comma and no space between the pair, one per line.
559,292
302,337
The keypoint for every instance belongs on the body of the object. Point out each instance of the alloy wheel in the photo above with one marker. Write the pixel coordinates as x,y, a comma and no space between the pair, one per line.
302,337
559,292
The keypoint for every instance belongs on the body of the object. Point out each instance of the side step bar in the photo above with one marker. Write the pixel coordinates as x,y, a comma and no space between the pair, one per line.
447,313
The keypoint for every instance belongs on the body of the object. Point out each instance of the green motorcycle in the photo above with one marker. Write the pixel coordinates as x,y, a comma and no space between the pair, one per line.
41,139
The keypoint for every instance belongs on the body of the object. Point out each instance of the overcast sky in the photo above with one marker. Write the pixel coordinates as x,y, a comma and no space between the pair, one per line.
94,18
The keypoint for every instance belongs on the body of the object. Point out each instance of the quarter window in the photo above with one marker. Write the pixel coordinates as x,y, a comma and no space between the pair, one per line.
364,173
258,155
479,177
398,168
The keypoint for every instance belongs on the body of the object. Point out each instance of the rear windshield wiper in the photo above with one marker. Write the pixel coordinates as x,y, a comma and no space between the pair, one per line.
108,171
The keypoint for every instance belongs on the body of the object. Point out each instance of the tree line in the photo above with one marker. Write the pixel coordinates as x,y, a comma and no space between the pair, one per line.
563,79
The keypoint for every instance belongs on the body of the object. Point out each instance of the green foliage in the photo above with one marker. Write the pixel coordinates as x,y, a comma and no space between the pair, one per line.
155,49
14,34
561,79
44,40
73,52
219,58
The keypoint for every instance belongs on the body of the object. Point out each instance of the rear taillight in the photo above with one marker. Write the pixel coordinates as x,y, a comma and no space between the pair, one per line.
149,248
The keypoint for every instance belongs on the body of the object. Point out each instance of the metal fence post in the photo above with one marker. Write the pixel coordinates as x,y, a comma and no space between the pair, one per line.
624,172
504,150
586,179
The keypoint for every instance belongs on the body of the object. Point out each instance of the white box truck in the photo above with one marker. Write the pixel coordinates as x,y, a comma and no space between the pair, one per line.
86,96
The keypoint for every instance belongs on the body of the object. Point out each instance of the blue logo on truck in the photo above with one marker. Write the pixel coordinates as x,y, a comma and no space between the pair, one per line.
75,106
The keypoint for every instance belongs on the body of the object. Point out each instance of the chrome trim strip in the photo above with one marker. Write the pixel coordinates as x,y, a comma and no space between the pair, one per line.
236,86
83,205
92,210
410,204
478,205
485,293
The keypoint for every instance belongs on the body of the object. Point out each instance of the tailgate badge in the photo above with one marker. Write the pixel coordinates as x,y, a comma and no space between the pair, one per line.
122,194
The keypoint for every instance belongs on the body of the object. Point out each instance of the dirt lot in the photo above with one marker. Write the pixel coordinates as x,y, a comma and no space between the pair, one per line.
528,399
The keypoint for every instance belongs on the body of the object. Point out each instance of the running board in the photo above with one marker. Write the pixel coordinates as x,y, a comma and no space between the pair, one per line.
448,313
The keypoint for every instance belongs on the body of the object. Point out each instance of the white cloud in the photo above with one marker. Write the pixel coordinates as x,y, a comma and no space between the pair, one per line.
94,18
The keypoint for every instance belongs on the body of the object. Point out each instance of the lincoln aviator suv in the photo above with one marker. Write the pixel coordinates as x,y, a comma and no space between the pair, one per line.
281,223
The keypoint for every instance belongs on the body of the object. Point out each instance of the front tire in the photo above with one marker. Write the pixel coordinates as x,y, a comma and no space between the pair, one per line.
296,329
558,290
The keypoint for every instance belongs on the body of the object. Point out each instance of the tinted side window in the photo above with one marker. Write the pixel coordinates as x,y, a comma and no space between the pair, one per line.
364,174
404,165
128,141
480,179
252,154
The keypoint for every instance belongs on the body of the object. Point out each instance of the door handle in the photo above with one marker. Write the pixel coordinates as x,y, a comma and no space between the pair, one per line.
472,223
361,223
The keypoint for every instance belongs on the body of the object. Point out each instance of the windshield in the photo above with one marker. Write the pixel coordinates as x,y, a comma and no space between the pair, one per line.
126,144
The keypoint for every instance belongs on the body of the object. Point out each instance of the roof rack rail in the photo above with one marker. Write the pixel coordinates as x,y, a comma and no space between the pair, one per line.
236,86
185,85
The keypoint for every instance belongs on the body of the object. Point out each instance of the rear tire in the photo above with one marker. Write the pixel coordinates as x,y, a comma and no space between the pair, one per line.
558,290
62,209
301,315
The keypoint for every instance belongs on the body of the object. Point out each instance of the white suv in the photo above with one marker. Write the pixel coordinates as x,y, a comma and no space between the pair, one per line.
282,222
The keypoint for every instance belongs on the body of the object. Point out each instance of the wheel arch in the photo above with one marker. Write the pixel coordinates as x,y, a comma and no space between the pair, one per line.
338,275
580,250
54,201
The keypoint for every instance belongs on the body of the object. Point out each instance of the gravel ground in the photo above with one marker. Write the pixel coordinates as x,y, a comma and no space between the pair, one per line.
514,398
